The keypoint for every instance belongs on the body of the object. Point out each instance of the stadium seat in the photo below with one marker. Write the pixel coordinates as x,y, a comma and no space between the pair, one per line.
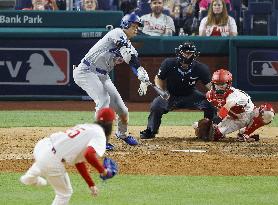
20,4
258,19
236,5
274,17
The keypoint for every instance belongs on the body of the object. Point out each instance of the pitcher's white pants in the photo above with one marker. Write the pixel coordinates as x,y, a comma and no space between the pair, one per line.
50,166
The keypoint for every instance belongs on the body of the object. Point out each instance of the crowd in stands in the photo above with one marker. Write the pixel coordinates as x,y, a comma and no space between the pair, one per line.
175,17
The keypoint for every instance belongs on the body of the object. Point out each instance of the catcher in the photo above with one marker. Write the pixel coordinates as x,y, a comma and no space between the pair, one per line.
236,110
74,146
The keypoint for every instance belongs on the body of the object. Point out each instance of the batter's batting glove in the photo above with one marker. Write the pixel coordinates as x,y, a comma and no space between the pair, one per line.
143,89
111,168
142,75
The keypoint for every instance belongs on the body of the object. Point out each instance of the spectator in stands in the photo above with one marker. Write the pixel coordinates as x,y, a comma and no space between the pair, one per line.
218,22
172,6
22,4
157,23
89,5
204,4
185,14
190,16
61,4
107,4
42,5
128,6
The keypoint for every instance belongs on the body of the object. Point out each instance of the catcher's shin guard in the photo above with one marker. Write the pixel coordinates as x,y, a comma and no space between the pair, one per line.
265,116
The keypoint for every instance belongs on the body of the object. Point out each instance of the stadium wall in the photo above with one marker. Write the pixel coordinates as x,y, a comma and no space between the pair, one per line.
63,43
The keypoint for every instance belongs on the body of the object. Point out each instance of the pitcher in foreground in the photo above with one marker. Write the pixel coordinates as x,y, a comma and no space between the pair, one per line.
76,145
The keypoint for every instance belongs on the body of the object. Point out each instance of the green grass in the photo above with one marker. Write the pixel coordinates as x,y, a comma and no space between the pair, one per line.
69,118
151,190
136,189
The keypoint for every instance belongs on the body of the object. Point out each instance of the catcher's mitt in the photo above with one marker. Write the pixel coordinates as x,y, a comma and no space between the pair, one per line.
205,130
111,167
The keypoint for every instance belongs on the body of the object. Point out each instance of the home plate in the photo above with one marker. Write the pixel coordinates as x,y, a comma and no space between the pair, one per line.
188,150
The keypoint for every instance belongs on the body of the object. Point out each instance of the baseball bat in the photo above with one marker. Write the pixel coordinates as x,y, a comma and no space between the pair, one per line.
164,94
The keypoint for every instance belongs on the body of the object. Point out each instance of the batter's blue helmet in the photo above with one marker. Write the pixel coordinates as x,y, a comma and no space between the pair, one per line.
128,19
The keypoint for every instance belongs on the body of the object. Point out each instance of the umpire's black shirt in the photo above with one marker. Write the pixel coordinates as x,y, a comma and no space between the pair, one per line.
181,82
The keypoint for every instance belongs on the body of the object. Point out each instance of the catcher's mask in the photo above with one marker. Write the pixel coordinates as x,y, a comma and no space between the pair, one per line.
221,81
186,53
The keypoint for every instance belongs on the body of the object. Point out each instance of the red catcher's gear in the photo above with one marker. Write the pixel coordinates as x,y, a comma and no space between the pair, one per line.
221,82
258,121
218,100
106,115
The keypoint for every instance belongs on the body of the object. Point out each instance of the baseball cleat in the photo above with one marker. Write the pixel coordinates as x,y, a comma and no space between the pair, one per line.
31,180
147,134
109,147
255,137
246,138
128,139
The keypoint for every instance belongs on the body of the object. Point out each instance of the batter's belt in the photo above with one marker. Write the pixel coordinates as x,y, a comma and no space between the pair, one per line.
99,70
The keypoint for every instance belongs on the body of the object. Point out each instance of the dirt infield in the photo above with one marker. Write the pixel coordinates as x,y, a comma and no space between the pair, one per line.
156,157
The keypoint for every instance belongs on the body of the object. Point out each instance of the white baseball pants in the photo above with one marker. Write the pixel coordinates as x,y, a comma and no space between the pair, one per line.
104,93
48,165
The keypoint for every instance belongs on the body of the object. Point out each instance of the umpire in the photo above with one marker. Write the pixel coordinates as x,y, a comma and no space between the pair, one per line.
179,76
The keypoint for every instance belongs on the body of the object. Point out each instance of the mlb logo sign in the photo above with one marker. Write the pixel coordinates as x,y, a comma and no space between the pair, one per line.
29,66
264,68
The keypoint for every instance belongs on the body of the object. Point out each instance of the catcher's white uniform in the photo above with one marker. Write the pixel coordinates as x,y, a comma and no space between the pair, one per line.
92,74
237,120
52,152
239,113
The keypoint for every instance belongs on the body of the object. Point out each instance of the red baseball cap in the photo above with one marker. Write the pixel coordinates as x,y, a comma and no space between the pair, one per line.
106,115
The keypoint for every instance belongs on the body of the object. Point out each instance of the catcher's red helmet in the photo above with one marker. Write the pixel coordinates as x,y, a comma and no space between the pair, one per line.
222,76
106,115
221,81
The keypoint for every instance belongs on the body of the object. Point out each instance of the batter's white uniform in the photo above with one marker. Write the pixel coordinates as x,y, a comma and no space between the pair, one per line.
52,152
157,26
92,74
237,97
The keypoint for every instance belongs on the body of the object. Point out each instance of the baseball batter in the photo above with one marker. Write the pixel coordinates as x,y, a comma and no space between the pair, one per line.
92,73
236,108
74,146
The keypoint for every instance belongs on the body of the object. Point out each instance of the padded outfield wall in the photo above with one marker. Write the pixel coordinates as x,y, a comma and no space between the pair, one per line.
63,38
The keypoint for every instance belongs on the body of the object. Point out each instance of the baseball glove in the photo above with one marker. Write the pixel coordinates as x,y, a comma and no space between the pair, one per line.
205,130
111,167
